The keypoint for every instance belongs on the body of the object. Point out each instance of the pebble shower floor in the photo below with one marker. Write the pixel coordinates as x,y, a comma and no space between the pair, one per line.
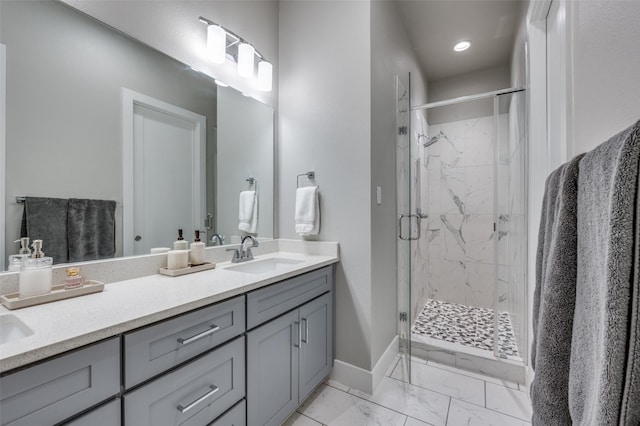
466,325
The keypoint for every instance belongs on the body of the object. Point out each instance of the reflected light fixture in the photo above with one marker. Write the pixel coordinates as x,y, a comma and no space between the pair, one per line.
223,43
265,76
246,54
217,43
461,46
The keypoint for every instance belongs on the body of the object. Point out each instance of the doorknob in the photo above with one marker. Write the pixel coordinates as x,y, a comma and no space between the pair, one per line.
138,238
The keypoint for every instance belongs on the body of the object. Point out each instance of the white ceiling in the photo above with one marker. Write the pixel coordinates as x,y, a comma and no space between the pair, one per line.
434,26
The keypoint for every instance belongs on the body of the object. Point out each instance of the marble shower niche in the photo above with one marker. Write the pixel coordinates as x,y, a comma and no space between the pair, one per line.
461,204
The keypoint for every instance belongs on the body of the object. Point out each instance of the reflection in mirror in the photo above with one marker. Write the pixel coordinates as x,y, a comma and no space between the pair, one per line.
67,80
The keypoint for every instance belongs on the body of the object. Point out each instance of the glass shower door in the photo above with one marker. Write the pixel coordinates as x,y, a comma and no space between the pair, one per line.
403,206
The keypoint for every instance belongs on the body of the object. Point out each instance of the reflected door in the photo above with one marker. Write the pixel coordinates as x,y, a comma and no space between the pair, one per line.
165,186
404,217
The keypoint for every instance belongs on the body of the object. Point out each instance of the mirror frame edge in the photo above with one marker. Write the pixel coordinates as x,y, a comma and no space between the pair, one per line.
3,151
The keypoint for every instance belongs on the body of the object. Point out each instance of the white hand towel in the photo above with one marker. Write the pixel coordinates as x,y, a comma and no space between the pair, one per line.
307,211
248,212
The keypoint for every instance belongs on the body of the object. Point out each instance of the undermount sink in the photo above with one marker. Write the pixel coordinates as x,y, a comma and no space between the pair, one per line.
273,264
12,329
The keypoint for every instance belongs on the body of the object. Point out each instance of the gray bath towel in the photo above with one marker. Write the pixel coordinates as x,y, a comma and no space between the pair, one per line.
554,297
91,229
600,390
46,219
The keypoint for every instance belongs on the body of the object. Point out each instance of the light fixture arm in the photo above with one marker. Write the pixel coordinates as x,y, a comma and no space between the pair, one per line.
233,35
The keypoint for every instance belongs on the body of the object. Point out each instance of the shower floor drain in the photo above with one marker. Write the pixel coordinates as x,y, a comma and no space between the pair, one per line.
466,325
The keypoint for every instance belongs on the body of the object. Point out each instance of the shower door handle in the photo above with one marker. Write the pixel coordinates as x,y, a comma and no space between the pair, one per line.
409,216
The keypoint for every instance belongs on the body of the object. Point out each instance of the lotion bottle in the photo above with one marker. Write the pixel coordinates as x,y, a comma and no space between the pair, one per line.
36,273
180,243
197,251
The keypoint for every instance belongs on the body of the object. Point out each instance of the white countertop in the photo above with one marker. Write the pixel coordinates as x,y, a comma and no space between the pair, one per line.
125,305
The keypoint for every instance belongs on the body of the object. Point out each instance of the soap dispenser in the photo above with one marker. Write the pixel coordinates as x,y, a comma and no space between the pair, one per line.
36,272
15,260
197,250
181,243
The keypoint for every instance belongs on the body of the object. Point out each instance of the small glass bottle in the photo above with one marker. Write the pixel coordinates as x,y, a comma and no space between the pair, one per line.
74,279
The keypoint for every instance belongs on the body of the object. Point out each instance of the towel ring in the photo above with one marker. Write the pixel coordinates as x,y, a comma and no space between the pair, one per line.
309,175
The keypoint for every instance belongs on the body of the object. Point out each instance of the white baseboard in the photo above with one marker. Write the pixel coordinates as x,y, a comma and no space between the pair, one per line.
361,379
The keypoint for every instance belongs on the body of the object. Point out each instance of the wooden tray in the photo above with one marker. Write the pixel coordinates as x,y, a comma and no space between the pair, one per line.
188,270
13,300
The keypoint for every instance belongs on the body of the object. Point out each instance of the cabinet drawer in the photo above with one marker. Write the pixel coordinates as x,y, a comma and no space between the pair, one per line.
157,348
237,416
269,302
50,392
194,394
105,415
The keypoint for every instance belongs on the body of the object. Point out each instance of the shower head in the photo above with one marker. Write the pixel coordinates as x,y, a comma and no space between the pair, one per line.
433,140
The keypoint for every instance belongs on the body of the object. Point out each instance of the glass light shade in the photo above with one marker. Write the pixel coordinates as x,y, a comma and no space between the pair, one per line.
265,76
246,53
217,43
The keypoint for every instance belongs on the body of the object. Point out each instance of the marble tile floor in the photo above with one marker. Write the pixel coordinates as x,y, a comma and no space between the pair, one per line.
466,325
439,395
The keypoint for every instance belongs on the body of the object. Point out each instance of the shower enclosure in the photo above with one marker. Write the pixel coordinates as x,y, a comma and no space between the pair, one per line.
461,185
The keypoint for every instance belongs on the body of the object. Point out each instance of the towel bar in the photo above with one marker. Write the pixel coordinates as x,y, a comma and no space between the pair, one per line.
309,175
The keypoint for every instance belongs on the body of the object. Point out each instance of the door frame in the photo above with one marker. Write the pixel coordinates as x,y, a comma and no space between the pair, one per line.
130,99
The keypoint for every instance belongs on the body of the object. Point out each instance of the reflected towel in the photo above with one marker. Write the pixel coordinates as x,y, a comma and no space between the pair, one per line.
307,211
46,219
604,377
248,212
91,229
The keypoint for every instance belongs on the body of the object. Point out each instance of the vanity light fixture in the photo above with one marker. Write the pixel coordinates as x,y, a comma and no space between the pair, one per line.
223,43
461,46
246,53
217,43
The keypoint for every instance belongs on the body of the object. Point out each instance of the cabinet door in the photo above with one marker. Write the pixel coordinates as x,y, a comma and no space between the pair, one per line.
316,348
272,370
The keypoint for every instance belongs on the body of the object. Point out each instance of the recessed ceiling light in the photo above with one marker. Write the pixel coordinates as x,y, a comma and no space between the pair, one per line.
462,46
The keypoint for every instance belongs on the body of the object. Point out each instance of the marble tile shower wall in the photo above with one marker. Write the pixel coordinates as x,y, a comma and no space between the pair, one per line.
460,176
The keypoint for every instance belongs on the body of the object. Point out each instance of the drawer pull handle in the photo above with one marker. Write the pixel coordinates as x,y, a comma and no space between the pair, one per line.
213,390
199,336
297,345
306,331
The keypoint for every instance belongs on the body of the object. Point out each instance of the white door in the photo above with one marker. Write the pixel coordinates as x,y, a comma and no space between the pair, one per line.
165,176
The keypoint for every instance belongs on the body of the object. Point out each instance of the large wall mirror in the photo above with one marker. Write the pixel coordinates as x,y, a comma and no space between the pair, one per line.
94,114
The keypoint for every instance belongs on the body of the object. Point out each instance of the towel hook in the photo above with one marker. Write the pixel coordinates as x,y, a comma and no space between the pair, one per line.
310,175
253,181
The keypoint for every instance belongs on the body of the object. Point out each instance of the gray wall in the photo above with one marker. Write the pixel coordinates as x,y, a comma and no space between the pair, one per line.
464,85
606,87
65,74
247,150
391,54
325,125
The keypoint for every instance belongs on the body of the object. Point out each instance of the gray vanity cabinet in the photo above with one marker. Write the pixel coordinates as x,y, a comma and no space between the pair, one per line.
287,358
105,415
57,389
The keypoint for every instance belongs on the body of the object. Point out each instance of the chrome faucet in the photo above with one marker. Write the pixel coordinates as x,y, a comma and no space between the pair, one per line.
243,252
218,237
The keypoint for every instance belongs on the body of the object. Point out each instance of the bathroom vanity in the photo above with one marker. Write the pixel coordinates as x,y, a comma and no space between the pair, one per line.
221,347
